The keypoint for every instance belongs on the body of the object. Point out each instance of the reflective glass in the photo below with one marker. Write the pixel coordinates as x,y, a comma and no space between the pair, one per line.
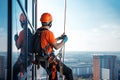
21,38
16,30
3,39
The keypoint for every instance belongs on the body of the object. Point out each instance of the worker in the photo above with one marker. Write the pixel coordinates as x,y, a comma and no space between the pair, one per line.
20,42
47,37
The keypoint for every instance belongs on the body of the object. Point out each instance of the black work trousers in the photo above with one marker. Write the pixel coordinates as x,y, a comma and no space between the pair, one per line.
66,70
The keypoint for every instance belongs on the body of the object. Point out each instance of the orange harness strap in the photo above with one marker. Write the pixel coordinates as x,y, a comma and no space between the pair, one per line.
54,70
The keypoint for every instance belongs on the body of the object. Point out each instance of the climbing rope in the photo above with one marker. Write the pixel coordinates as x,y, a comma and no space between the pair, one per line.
63,48
65,4
64,25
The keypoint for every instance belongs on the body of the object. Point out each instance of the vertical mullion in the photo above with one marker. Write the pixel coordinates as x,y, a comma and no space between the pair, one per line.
26,51
33,67
9,42
35,17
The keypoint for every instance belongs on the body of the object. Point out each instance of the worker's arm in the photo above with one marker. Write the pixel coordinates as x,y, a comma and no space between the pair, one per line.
17,45
16,38
17,41
58,45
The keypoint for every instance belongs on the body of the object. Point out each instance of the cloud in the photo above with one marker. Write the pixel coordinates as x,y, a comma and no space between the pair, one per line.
3,39
3,42
1,31
107,31
102,38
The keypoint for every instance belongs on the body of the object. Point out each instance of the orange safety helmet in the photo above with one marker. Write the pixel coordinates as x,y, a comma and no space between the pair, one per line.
22,17
46,17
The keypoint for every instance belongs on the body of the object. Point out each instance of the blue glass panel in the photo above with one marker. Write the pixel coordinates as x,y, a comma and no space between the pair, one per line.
3,39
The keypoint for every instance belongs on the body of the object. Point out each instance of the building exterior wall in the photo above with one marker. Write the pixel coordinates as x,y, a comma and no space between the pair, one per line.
102,63
96,68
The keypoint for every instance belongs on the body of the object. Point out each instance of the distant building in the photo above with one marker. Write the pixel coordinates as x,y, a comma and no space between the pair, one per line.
118,69
105,67
2,68
84,70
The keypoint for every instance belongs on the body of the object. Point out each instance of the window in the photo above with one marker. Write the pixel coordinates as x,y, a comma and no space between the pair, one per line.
18,7
3,39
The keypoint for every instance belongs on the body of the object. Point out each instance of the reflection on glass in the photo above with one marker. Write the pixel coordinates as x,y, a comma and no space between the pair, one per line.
21,40
3,39
17,57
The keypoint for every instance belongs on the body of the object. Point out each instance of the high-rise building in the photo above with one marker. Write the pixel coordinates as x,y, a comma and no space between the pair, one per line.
105,67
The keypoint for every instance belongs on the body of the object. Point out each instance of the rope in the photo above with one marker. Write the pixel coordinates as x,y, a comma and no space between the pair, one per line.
64,26
63,48
65,3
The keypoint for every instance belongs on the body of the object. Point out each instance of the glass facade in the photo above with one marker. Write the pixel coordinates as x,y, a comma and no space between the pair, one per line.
20,54
16,28
3,39
12,26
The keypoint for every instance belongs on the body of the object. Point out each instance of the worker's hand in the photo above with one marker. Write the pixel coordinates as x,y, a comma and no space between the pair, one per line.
65,38
16,37
60,37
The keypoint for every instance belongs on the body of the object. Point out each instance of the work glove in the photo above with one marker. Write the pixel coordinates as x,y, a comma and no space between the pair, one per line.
65,38
59,38
16,37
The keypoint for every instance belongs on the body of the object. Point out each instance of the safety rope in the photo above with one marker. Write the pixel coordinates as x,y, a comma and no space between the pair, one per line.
60,63
63,48
64,26
65,8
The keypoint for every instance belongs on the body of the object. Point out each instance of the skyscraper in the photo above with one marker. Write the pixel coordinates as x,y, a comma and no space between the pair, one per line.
104,67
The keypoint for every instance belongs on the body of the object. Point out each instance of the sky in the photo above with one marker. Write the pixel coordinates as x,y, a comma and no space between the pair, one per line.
91,25
3,25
